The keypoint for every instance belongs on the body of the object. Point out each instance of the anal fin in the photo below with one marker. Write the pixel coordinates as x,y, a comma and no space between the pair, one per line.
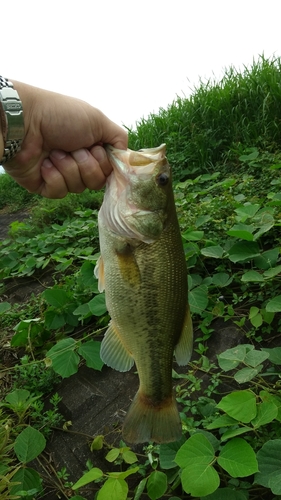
113,352
183,349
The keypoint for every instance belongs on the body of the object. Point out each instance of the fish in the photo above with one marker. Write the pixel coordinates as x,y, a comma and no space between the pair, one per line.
143,271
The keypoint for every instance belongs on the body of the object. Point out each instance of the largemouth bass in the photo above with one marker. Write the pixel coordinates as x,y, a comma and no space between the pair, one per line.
142,269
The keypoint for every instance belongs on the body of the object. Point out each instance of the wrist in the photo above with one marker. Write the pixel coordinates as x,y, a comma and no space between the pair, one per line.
11,119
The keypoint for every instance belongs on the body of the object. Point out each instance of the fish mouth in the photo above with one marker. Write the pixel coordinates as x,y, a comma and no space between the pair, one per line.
142,162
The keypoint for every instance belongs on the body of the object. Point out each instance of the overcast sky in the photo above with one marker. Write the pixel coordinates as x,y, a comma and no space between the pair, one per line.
131,57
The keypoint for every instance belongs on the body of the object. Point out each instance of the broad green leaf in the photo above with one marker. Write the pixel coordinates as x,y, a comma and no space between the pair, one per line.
97,443
242,231
70,319
263,229
167,454
243,251
246,211
18,397
274,305
231,358
240,405
218,309
253,312
156,485
87,277
238,458
223,421
194,280
267,259
200,479
269,460
227,494
140,489
274,354
88,477
198,299
4,306
266,397
222,279
193,235
231,433
255,357
257,320
266,412
213,251
27,330
275,483
56,297
28,479
274,271
97,305
197,449
124,474
54,320
112,454
202,219
275,199
90,351
82,311
252,276
65,263
113,489
268,317
215,443
239,197
247,374
29,444
64,360
129,457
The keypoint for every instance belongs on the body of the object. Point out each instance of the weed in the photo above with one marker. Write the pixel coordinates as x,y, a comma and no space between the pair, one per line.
34,377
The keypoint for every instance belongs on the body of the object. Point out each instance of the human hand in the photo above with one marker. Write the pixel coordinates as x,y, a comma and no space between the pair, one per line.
62,149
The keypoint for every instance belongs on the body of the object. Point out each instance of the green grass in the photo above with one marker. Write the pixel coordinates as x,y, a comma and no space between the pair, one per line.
219,121
14,197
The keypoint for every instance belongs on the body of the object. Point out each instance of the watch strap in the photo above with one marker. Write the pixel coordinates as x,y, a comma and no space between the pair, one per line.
11,115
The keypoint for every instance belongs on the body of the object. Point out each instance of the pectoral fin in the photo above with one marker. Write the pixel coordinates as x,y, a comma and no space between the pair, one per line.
183,349
99,274
128,267
113,352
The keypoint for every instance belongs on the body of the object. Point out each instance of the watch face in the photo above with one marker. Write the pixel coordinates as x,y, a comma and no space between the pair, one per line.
11,116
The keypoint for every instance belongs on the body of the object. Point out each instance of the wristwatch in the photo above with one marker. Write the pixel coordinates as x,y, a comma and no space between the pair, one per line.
11,116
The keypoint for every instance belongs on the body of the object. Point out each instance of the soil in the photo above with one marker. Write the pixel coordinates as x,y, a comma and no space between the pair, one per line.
94,402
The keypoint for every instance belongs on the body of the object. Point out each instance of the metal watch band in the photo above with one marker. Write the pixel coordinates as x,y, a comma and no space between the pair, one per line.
11,115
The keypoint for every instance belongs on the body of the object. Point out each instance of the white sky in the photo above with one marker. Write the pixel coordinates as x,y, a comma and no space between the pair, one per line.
131,57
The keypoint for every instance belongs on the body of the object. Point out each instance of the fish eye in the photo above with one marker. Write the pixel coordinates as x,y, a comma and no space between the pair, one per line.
162,179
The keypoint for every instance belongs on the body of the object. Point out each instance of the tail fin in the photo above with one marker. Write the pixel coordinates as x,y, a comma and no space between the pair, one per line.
147,422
